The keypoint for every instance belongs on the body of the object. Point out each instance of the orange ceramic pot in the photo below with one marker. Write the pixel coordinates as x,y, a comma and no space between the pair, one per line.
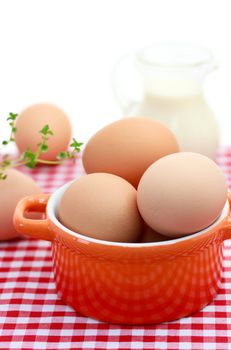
133,283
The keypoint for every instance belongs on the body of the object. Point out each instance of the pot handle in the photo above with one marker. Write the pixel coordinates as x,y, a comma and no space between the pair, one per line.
227,229
32,227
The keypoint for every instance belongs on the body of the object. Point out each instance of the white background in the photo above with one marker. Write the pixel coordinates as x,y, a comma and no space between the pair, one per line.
64,52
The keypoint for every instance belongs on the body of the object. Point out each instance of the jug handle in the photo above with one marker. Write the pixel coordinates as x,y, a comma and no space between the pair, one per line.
126,84
31,227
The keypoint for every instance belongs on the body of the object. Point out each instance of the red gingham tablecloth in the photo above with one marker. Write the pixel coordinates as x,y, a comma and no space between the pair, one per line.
33,317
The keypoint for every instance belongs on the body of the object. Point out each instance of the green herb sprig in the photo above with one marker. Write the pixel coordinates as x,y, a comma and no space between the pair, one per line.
76,148
11,121
31,158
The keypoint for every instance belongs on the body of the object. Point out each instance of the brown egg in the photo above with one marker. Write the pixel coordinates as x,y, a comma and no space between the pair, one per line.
148,235
31,121
181,193
128,147
15,187
101,206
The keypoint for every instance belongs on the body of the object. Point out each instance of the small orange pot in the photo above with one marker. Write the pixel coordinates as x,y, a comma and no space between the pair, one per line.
129,283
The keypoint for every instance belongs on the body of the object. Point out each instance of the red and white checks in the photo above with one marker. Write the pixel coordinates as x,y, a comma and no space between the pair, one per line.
33,317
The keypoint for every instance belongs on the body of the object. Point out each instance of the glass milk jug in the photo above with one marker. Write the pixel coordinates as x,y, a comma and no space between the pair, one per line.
165,82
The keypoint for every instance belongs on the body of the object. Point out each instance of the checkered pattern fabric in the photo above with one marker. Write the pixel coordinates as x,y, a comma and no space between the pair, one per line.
33,317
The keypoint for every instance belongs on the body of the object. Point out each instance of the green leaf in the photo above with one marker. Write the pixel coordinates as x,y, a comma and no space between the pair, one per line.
30,158
14,130
43,148
62,155
46,130
12,116
76,145
3,176
31,163
5,142
27,152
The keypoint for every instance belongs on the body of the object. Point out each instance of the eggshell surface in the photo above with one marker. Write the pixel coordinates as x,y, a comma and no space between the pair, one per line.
33,119
12,189
181,193
102,206
128,147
